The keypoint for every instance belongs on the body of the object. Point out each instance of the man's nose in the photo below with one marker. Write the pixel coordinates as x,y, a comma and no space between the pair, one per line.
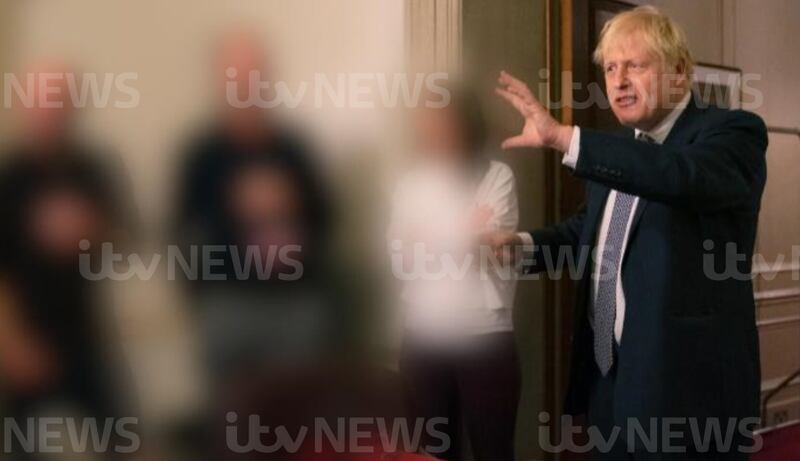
620,78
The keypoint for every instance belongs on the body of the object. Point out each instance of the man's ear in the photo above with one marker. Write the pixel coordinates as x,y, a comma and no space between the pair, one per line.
681,77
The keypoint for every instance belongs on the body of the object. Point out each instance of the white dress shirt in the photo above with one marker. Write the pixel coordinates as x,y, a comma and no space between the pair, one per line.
437,208
659,134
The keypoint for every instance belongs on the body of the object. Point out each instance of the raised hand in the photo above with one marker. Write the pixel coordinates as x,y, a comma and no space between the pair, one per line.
541,129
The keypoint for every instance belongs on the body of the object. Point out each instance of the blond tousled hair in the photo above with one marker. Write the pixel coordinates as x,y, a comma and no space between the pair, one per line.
664,37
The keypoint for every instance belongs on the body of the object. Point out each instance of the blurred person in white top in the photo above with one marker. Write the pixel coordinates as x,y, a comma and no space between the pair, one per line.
458,356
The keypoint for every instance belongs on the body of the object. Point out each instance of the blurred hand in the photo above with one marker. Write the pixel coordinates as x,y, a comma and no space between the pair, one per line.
541,129
504,244
60,220
480,217
28,366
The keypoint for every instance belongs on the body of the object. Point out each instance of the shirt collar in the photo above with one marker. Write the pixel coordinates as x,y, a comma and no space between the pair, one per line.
661,131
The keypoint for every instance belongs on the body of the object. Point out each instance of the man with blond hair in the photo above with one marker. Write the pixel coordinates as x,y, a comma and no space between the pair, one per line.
665,358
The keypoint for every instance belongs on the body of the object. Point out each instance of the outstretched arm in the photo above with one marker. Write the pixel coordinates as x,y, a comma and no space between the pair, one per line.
721,171
547,249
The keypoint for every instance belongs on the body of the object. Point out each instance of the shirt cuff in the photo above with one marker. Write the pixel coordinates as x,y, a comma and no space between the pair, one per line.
527,250
570,159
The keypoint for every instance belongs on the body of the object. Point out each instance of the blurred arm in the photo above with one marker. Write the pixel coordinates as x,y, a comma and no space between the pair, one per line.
27,363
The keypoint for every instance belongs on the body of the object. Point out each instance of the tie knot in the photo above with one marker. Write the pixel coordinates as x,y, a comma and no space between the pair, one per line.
646,138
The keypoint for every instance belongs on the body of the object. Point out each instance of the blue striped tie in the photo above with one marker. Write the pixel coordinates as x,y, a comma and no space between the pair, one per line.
605,304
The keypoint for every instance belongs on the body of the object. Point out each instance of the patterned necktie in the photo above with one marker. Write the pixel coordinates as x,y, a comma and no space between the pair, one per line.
605,304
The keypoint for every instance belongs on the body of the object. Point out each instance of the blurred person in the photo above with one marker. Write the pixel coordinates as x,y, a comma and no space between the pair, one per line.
250,184
663,345
458,356
221,178
249,181
55,192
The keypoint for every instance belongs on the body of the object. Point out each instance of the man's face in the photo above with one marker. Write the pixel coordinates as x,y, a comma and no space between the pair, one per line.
638,84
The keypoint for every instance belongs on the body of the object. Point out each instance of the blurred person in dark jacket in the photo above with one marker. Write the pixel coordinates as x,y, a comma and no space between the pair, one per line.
249,189
58,197
227,164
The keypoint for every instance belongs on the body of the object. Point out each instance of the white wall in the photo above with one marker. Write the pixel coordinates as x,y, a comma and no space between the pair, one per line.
703,21
168,44
765,40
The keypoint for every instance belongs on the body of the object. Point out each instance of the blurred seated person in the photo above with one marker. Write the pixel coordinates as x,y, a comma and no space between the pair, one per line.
55,192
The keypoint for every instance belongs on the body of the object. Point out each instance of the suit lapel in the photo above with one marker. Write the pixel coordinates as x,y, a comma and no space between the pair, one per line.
637,216
595,205
678,135
595,210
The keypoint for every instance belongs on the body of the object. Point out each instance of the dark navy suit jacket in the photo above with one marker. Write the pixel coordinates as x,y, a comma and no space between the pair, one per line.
689,346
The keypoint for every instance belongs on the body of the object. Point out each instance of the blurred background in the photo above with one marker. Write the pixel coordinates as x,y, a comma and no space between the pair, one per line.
171,58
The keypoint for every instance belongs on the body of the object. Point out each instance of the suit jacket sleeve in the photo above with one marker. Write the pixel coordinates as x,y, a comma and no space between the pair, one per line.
557,245
720,170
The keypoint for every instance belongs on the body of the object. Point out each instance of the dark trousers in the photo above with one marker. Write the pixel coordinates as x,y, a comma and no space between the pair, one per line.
601,415
476,385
